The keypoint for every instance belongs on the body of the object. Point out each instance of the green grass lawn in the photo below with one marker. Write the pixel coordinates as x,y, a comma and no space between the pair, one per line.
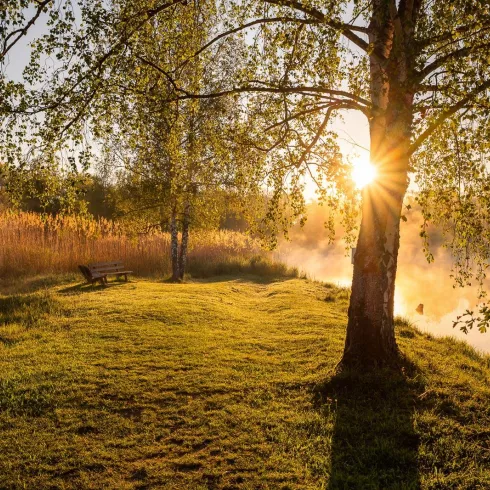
225,384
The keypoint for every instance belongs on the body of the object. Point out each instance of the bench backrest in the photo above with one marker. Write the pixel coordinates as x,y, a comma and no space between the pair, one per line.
106,267
86,272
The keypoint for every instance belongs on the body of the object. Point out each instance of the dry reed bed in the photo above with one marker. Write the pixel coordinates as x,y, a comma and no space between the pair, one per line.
35,244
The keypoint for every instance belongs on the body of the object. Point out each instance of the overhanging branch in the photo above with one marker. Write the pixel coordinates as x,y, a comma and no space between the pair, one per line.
347,30
22,31
121,42
303,90
458,53
269,20
450,36
462,104
305,112
318,134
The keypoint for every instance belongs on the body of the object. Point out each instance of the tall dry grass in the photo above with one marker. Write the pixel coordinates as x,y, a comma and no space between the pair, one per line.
32,244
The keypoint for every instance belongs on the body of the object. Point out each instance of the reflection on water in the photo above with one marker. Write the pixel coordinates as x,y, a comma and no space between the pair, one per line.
417,282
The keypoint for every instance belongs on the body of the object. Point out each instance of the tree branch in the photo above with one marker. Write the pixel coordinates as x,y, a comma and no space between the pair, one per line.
450,35
269,88
297,115
162,71
317,136
96,67
443,59
346,29
305,90
446,115
23,31
246,26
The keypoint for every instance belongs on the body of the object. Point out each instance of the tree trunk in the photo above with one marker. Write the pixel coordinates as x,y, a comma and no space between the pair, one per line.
184,240
174,245
370,336
370,331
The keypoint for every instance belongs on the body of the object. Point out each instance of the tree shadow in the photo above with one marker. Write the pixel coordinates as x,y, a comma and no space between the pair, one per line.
26,285
24,309
374,444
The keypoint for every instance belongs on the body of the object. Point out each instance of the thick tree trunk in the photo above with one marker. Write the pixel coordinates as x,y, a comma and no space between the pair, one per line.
370,336
184,241
174,245
370,330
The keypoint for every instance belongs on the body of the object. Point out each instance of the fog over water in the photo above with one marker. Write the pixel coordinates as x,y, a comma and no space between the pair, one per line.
417,281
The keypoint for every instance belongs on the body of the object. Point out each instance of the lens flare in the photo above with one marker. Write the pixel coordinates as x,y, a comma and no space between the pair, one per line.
363,172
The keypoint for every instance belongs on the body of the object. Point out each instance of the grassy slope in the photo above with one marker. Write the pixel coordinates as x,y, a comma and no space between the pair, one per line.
227,384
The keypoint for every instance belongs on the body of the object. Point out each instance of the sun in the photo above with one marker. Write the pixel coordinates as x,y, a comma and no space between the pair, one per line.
363,172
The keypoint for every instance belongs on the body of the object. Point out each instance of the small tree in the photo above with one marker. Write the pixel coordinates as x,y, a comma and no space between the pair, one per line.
177,157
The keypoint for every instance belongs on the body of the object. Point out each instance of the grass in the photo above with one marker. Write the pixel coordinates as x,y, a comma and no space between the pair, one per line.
226,384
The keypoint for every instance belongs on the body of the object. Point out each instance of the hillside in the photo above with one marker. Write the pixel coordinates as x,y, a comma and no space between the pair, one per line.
225,384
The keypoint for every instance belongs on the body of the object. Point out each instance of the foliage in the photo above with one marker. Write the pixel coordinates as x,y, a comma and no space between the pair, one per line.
44,186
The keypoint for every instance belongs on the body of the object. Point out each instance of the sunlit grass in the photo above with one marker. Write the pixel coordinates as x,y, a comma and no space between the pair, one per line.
226,383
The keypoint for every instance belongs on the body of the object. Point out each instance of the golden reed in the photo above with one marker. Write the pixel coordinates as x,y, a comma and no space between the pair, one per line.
34,244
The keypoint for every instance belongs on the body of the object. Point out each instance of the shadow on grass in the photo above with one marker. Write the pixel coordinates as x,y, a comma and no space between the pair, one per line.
240,278
257,266
27,310
374,444
89,288
26,285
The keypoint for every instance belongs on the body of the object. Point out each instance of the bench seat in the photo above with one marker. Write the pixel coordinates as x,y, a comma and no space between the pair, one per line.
92,277
115,268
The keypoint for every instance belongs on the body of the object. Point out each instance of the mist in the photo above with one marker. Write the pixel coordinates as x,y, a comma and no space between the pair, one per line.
418,282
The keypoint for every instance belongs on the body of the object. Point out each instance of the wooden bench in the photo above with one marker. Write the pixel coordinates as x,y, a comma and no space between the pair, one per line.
110,269
100,270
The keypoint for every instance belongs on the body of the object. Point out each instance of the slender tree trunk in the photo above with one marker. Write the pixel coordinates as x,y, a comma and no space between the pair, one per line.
370,336
174,245
184,240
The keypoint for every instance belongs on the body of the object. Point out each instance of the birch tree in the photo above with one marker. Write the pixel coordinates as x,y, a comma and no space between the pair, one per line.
178,156
418,71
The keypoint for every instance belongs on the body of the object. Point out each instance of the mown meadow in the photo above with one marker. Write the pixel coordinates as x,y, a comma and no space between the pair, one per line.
226,383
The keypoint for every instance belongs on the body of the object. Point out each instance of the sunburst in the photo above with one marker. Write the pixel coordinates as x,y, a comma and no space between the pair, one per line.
363,172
